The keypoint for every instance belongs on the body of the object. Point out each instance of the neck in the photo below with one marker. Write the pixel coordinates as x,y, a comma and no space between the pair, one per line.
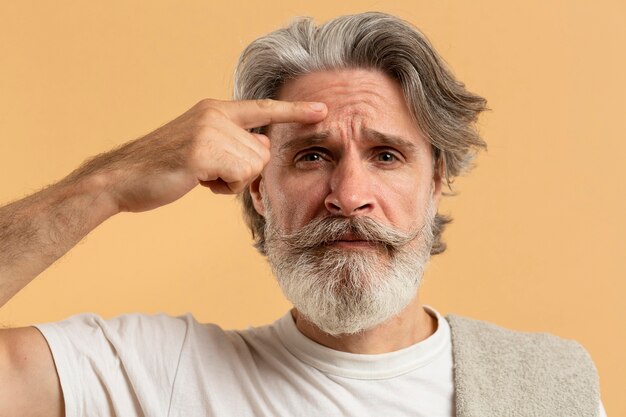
412,325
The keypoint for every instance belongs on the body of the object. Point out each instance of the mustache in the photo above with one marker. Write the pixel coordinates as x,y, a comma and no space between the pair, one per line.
325,230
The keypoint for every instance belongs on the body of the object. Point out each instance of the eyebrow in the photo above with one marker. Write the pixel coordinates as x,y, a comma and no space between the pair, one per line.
303,141
390,140
368,134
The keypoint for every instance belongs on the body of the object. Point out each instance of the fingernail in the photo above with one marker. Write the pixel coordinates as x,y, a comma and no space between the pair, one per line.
317,106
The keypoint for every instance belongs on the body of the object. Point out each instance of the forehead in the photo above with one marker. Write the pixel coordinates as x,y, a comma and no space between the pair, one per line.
357,99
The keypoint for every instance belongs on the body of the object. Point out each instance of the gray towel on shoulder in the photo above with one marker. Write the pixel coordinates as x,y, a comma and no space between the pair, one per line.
504,373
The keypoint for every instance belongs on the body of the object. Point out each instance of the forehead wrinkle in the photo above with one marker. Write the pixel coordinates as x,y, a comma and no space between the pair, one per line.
338,87
366,99
360,101
296,135
290,135
350,108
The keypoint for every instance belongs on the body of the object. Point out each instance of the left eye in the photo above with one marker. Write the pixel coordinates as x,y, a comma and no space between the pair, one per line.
386,157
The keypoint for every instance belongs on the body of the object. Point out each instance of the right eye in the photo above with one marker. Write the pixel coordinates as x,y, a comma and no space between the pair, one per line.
310,158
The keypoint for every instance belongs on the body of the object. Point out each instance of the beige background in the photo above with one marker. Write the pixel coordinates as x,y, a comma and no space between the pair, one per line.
537,243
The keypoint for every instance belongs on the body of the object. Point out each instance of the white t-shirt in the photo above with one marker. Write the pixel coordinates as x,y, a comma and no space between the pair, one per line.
141,365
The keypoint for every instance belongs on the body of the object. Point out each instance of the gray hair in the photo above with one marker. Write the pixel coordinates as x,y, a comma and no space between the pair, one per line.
441,106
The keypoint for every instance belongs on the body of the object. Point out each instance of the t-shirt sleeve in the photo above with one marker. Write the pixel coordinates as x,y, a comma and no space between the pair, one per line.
124,366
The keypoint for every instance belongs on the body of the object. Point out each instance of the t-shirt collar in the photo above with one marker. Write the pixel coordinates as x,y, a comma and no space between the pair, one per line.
364,366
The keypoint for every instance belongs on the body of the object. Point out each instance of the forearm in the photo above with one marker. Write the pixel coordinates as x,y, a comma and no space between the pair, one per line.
39,229
209,145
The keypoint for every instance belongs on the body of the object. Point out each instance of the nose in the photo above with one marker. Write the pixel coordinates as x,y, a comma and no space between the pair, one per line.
351,189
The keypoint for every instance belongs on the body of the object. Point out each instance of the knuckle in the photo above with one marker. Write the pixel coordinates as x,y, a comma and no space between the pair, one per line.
257,168
213,113
244,172
264,103
236,188
248,171
266,155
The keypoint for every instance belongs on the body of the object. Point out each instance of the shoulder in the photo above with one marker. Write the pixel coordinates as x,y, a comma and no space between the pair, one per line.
132,339
128,327
109,364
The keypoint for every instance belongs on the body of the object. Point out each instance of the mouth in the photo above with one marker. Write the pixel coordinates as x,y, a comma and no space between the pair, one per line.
351,241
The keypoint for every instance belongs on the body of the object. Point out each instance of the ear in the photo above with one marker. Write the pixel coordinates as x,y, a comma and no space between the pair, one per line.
257,188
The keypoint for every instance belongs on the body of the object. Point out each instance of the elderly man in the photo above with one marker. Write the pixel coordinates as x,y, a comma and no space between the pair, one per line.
340,176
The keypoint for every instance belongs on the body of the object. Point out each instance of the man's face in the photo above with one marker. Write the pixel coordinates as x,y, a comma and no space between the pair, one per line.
367,159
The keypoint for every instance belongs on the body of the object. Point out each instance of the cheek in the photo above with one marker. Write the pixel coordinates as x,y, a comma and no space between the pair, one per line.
296,200
403,198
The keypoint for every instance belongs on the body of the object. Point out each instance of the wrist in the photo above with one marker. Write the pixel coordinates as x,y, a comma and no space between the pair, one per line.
94,191
99,188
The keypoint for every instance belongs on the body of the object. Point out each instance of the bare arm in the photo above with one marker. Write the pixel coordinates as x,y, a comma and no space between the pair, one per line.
207,145
29,384
36,231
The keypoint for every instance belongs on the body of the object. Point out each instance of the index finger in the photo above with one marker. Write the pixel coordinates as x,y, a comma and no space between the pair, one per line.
256,113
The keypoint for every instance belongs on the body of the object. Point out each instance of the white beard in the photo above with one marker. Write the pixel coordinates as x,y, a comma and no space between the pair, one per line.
346,291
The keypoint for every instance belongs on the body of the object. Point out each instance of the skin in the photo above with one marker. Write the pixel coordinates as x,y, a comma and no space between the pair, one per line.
208,145
339,166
